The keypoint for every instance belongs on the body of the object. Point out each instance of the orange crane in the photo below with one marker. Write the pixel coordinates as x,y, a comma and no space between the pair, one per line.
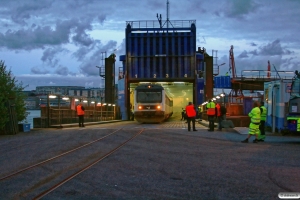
231,62
269,69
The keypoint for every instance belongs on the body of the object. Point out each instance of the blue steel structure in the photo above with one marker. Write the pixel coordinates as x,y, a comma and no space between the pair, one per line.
162,53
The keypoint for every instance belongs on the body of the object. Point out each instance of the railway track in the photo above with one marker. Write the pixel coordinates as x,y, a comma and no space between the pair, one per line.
45,176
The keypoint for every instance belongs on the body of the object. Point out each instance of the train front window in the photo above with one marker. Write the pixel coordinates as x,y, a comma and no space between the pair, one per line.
148,97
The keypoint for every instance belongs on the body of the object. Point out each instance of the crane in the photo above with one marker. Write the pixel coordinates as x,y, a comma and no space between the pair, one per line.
231,62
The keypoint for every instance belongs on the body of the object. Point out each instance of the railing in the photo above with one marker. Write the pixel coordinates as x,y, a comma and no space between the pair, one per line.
59,116
164,24
265,75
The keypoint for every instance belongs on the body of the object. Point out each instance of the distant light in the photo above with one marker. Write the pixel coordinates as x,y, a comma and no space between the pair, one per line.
85,101
218,97
65,98
52,96
113,105
76,99
92,102
109,104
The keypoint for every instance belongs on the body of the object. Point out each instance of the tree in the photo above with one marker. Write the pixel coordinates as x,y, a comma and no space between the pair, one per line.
10,90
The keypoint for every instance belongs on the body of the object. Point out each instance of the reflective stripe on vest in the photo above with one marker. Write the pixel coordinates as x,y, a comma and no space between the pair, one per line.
255,115
263,115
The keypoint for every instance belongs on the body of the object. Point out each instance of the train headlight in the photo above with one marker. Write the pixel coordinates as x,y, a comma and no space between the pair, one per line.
158,107
140,107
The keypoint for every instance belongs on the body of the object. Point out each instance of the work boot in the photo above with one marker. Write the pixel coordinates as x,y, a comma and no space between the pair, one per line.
245,141
255,141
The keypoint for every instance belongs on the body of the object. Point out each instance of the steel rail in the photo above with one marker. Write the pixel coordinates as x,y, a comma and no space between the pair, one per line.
84,169
55,157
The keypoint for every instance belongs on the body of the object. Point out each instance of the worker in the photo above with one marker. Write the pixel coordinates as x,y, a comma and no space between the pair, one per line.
200,112
190,114
80,113
263,117
254,123
211,112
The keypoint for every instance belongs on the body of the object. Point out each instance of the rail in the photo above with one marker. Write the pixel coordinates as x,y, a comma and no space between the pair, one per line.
164,24
264,75
60,116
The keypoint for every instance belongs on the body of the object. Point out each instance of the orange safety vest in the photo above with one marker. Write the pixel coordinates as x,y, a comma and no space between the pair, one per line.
79,110
190,111
211,108
218,110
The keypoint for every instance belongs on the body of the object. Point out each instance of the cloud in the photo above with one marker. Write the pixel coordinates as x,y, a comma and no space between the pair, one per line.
39,70
88,65
50,55
47,80
239,9
36,37
62,70
273,49
244,54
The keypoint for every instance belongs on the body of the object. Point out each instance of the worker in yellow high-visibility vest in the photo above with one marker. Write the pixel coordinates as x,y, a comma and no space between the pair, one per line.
255,116
211,113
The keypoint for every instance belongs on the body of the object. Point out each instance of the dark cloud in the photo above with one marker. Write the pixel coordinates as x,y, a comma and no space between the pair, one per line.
254,52
238,9
273,49
50,55
253,44
88,66
39,70
244,54
61,70
45,80
42,36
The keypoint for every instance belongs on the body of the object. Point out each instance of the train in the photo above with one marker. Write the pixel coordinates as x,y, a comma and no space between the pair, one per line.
152,104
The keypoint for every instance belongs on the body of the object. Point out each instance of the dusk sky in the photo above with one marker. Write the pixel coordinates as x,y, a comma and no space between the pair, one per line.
59,42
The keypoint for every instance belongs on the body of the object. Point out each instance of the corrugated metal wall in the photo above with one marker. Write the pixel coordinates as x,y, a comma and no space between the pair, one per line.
161,54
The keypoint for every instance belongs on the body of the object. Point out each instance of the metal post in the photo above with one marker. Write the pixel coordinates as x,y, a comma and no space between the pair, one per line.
101,107
48,109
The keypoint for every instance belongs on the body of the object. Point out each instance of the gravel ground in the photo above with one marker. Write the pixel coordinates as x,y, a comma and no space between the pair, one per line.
161,163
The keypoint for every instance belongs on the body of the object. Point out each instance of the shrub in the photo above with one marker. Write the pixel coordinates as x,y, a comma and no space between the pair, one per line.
10,90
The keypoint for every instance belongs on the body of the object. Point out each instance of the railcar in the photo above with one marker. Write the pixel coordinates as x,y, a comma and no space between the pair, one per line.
152,104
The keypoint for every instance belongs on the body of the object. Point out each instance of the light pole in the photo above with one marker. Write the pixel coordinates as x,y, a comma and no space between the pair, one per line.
219,67
101,96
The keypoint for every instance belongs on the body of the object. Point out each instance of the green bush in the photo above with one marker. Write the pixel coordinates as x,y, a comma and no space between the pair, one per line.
10,90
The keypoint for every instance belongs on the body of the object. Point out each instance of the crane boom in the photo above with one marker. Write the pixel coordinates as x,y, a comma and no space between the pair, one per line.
231,62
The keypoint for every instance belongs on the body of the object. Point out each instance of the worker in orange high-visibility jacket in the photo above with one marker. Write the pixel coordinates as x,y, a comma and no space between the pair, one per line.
80,113
211,113
191,115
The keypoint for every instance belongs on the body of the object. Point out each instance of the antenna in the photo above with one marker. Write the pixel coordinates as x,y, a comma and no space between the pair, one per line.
167,13
167,21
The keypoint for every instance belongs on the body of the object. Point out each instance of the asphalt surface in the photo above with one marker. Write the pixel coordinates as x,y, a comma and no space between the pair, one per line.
165,162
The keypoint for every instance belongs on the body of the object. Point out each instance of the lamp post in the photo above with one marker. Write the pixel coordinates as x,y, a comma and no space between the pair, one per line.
219,67
101,96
